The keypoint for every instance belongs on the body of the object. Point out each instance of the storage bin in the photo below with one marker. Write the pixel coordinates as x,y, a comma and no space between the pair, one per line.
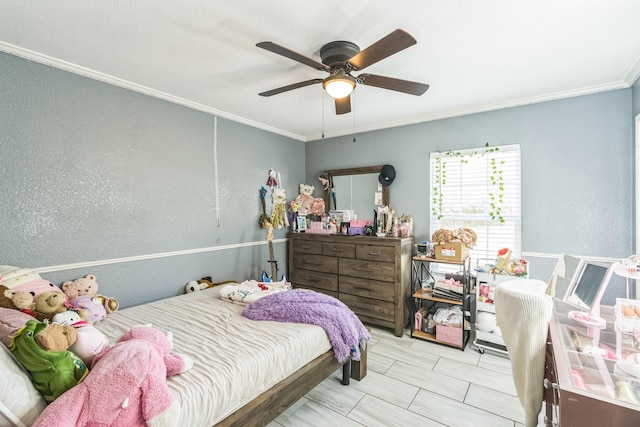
356,230
449,334
360,222
451,251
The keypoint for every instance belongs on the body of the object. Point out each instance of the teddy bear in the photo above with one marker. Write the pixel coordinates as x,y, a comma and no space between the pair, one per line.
304,200
22,300
17,300
127,386
48,304
89,286
42,349
89,342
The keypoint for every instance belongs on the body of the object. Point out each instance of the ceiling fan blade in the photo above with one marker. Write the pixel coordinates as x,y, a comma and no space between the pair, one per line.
287,53
412,88
343,105
290,87
392,43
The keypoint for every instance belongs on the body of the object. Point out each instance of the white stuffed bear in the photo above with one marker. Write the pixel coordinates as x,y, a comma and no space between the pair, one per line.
305,199
90,341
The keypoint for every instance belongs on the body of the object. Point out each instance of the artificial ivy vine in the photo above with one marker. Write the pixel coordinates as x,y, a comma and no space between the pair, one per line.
496,196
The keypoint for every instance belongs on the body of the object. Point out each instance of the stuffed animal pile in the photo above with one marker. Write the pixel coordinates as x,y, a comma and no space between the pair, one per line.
56,342
88,287
55,339
126,386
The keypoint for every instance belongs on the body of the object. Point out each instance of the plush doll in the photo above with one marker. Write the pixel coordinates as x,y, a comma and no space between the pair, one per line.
22,300
17,300
127,386
304,200
90,308
89,342
50,303
204,283
88,286
198,285
279,216
5,301
42,349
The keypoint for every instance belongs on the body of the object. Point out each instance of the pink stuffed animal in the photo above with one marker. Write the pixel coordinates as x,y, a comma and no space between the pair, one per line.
126,386
88,286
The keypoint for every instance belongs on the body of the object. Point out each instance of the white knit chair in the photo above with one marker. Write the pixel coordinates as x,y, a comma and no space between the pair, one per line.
523,311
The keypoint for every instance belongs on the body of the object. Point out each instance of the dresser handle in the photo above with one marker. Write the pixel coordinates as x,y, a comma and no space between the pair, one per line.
363,288
361,269
312,263
305,246
374,253
337,250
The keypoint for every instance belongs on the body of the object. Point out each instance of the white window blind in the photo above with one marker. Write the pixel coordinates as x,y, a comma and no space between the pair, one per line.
479,189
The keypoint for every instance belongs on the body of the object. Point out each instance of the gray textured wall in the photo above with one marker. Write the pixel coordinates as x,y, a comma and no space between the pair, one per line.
93,172
577,170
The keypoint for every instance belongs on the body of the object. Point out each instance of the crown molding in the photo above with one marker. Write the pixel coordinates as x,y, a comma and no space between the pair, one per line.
485,108
105,78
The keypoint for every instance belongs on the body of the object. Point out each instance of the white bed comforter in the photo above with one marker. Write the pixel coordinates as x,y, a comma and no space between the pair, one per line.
235,359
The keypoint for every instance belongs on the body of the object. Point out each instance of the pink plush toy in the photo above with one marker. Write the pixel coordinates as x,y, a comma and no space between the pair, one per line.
126,386
88,286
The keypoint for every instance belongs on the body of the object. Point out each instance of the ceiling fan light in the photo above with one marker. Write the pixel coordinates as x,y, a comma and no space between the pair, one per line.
339,86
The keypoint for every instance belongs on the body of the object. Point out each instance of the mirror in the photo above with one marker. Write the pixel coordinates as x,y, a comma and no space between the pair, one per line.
563,274
355,189
588,286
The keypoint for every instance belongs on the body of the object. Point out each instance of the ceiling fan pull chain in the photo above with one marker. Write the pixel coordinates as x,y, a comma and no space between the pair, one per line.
322,112
354,116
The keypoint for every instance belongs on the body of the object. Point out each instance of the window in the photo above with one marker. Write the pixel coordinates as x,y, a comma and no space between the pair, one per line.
479,189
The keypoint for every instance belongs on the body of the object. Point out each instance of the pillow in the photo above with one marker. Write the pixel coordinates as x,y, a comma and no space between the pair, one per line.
24,279
20,401
10,275
10,321
38,286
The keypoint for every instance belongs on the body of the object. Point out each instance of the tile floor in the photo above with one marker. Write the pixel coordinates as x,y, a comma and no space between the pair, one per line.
411,382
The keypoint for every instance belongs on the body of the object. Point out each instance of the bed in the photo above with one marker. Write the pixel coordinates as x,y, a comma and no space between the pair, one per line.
245,372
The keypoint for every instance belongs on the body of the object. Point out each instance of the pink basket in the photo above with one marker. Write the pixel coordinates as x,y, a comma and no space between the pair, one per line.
360,222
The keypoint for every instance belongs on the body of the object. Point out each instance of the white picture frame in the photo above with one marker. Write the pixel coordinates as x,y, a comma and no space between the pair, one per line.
302,222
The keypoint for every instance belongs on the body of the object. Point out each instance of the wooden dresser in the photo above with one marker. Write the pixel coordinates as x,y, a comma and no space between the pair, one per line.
371,275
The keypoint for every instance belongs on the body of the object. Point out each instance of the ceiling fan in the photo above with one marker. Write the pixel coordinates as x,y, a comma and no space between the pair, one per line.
340,58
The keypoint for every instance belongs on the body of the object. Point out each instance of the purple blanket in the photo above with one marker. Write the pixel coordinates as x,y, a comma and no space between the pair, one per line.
346,332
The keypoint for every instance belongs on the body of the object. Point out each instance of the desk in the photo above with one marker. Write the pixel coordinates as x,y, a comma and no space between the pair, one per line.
580,388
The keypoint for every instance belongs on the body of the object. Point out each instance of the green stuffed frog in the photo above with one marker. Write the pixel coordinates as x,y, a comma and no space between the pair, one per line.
42,350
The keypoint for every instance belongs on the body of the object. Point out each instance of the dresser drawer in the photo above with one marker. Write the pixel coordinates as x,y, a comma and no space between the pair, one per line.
384,271
322,291
326,264
382,310
314,279
367,288
376,253
307,246
344,250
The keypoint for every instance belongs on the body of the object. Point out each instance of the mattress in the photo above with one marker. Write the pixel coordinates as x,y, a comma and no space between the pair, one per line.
235,359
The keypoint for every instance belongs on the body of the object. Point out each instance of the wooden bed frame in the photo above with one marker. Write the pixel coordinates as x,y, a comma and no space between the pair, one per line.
266,407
